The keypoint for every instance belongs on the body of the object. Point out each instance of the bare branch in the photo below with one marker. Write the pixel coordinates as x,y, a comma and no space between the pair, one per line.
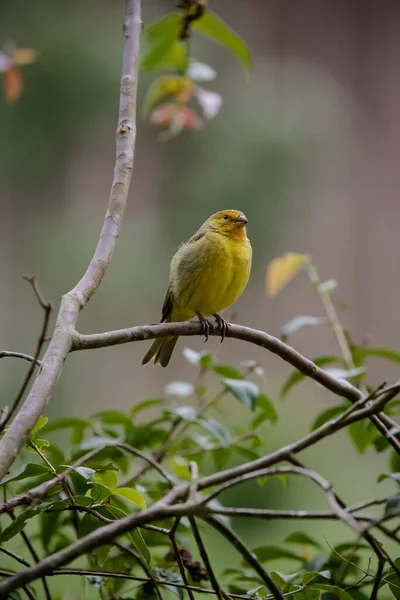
270,514
77,298
247,554
16,557
129,577
179,558
47,308
28,357
340,387
378,578
206,560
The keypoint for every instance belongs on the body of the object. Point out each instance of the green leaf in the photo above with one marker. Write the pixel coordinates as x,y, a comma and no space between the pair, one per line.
217,429
394,580
387,353
108,478
361,435
296,377
17,525
299,322
146,404
132,495
394,476
98,492
88,524
332,589
392,505
328,414
300,537
138,542
68,423
247,392
268,409
308,594
310,575
215,28
41,422
31,470
85,472
158,41
258,420
221,457
283,581
227,371
265,553
394,462
256,592
345,373
245,452
48,527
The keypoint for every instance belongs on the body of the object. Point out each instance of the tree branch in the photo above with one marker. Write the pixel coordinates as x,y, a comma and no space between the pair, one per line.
246,553
47,308
206,560
28,357
340,387
77,298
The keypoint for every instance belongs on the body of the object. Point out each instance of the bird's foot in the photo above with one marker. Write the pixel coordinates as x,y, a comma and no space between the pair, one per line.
206,326
223,325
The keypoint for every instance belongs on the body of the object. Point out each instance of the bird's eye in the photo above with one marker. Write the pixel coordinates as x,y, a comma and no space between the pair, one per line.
226,217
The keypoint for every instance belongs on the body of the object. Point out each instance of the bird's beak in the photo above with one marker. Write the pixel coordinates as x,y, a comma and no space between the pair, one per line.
242,219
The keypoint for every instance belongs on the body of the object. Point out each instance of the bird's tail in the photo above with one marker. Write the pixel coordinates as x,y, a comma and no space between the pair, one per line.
161,349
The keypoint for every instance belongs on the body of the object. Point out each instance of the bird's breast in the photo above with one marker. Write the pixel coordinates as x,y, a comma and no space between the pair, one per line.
212,274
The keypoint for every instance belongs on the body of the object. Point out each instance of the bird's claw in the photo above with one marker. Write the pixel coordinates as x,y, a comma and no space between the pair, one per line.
206,326
223,325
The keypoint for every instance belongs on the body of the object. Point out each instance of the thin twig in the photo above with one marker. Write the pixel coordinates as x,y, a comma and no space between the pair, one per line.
47,308
205,559
378,578
270,514
34,555
246,553
16,557
179,558
143,564
28,357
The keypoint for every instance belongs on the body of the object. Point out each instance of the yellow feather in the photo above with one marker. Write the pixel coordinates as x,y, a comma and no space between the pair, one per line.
208,273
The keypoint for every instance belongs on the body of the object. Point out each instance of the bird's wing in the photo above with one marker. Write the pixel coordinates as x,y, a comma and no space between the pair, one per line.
167,306
196,237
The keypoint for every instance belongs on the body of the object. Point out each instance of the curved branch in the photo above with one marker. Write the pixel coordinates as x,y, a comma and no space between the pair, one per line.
340,387
28,357
77,298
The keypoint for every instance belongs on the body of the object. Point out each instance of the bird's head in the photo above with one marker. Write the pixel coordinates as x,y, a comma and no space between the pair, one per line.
228,222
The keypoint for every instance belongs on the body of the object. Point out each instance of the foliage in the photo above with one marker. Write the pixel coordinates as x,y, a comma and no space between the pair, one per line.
141,487
166,47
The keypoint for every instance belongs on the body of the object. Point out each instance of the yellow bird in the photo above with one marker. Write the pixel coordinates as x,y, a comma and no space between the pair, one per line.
208,273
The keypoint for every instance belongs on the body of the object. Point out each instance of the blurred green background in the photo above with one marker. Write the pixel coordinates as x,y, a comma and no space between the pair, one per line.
308,148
